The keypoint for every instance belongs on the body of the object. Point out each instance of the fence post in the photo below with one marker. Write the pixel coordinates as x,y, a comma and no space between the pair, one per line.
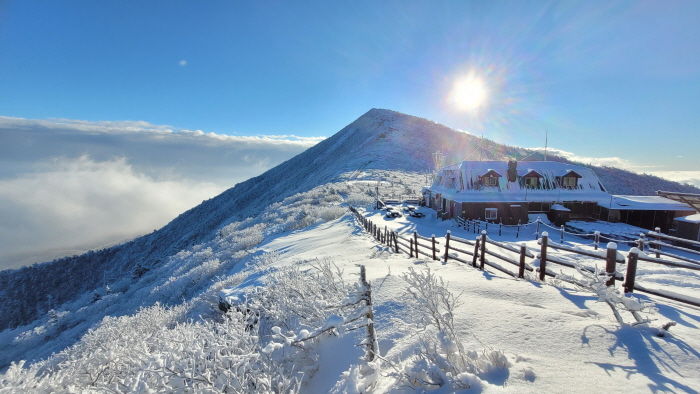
640,242
521,267
410,250
562,234
476,252
537,231
371,333
434,255
482,256
500,226
386,232
610,262
543,254
517,232
415,243
631,270
658,239
396,241
597,239
447,244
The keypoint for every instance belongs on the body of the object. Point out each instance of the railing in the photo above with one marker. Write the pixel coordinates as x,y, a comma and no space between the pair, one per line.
484,251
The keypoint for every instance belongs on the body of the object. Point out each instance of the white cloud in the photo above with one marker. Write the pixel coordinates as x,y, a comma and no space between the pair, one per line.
69,185
73,203
612,161
182,63
691,177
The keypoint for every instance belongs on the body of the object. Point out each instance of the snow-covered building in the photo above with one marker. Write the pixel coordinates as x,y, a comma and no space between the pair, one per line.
507,191
644,211
688,227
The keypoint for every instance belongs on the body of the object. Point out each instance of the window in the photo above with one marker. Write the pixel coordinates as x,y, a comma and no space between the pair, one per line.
491,213
532,181
569,181
490,181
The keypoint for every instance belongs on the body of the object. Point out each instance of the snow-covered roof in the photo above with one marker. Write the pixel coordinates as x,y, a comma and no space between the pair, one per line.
461,182
690,219
644,203
559,207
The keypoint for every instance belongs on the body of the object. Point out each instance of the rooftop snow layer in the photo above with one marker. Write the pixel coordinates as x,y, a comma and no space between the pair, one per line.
644,203
461,182
690,219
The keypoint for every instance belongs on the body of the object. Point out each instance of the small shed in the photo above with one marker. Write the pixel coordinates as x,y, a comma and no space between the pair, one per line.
559,214
643,211
688,227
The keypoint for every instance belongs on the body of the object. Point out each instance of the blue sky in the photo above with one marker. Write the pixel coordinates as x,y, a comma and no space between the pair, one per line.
604,78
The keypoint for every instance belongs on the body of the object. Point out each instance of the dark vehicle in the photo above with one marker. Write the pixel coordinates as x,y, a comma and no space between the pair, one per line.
391,212
416,214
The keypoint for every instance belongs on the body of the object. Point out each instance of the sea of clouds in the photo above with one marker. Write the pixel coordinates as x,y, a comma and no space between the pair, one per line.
68,185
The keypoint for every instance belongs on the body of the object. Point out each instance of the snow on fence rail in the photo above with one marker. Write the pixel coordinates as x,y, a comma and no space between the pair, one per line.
415,244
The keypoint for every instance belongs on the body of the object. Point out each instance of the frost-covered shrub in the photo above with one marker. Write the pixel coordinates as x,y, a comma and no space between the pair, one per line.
328,213
159,349
302,297
152,351
235,237
358,200
442,359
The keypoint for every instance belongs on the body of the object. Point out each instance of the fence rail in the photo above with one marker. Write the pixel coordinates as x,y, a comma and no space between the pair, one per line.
428,246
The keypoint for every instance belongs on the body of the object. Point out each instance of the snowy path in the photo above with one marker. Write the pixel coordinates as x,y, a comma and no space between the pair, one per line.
566,338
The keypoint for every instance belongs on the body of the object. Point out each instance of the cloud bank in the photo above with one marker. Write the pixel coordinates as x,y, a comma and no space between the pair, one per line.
70,185
689,176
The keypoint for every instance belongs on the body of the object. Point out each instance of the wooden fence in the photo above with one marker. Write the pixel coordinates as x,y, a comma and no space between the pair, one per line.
484,251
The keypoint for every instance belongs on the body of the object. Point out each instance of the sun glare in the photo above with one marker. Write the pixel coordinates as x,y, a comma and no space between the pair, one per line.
469,93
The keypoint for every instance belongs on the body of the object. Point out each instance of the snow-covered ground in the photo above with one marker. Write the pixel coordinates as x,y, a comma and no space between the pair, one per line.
281,253
524,336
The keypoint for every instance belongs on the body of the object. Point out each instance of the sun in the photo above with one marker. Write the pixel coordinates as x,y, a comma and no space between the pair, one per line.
469,93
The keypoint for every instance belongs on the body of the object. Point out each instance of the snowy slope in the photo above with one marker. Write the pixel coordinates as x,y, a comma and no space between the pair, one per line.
523,336
262,240
380,139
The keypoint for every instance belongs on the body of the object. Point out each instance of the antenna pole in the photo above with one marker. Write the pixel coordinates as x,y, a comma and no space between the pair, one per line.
545,144
481,147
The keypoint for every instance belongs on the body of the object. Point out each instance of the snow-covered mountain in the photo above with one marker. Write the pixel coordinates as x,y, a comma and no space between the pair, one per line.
378,140
117,318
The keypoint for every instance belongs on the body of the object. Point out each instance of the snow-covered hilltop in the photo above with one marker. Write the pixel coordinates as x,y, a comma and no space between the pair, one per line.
283,246
379,139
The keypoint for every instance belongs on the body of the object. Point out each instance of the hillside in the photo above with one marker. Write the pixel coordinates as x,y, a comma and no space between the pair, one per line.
296,321
258,243
378,140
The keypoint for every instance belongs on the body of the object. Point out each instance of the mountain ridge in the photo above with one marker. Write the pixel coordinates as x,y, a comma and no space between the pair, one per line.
379,139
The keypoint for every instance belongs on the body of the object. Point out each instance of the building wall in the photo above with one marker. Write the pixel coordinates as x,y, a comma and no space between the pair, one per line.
508,213
688,230
644,219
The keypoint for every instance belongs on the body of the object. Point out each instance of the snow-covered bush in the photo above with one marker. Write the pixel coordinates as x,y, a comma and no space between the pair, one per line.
153,351
160,349
442,360
328,213
359,200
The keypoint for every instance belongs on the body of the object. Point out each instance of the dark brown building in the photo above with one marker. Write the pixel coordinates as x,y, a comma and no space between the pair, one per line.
507,192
